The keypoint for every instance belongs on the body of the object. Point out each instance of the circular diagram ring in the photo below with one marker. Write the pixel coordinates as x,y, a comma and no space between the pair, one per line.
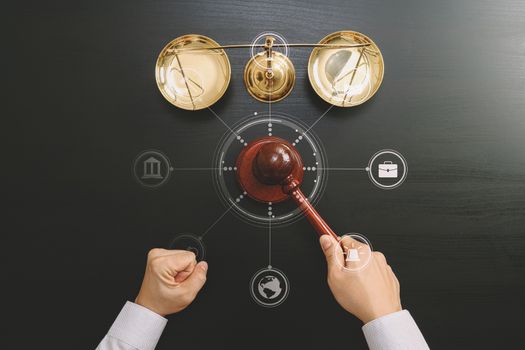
269,287
225,172
259,39
354,250
387,169
189,242
151,168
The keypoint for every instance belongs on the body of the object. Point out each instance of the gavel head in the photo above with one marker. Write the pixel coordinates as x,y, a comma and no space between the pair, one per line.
266,165
273,163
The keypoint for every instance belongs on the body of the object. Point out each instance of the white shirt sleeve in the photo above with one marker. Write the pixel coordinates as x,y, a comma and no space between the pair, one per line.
136,328
394,331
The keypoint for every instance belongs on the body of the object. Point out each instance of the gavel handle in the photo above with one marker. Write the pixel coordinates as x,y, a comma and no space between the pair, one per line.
312,215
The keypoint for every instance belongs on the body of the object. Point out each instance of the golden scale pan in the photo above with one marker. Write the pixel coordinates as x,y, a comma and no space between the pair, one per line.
345,69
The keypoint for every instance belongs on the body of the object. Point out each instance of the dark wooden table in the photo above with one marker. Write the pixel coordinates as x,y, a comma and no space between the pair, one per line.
81,102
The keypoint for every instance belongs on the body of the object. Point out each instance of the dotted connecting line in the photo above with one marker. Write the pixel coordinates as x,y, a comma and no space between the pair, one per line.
298,197
241,196
299,138
270,235
228,168
241,140
270,210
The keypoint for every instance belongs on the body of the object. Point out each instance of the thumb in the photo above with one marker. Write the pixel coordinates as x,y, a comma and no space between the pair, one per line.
332,251
197,278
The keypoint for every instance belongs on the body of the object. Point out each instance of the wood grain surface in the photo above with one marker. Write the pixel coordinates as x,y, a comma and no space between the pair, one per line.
81,102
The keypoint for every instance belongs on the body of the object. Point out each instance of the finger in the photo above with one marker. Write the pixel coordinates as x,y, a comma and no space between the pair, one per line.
392,276
396,281
379,257
348,242
197,278
182,275
180,262
398,288
332,251
160,252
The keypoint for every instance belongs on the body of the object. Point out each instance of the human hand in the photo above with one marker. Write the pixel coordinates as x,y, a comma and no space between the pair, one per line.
171,281
368,293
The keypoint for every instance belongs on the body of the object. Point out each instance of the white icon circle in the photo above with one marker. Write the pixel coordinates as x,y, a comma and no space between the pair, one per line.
387,174
356,251
191,243
279,40
269,287
152,168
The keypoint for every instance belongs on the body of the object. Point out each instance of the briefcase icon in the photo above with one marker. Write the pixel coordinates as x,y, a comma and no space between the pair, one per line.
387,170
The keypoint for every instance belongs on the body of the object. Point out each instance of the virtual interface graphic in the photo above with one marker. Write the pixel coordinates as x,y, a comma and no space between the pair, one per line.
345,69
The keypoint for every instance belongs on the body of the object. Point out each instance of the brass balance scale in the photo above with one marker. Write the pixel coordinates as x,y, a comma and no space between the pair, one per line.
259,175
345,69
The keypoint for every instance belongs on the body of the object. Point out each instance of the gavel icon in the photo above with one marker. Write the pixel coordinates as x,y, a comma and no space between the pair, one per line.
270,170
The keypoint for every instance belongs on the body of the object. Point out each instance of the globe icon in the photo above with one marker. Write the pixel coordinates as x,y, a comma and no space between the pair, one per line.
269,286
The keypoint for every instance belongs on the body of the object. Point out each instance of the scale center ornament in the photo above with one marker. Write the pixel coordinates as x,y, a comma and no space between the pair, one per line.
345,69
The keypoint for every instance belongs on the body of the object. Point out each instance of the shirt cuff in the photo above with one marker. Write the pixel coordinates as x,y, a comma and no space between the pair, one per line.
138,326
394,331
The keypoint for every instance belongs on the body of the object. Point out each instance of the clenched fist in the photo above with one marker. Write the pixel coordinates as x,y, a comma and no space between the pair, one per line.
171,281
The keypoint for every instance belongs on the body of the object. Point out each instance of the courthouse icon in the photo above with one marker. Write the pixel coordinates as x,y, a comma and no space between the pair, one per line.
152,169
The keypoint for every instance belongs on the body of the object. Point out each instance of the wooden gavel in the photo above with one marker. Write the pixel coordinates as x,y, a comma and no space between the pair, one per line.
270,170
